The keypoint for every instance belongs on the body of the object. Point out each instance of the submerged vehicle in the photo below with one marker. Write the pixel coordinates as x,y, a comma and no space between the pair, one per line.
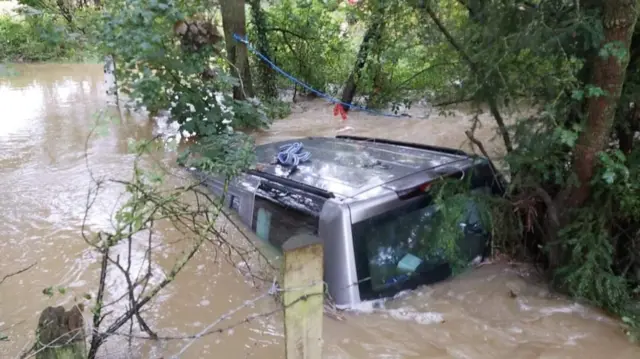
366,199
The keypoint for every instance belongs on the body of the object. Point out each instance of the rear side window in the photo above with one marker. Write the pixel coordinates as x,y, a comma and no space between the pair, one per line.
277,223
391,256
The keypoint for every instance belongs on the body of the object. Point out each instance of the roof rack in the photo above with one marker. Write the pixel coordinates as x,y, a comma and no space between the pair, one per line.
447,150
294,184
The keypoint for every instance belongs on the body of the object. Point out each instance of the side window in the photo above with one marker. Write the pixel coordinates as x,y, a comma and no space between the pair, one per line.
391,254
276,224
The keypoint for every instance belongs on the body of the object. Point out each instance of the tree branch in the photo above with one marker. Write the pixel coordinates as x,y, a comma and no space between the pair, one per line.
491,99
450,38
17,272
287,31
496,175
420,73
452,102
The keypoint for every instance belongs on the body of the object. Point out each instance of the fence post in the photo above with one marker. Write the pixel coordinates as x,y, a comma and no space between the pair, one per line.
303,297
61,334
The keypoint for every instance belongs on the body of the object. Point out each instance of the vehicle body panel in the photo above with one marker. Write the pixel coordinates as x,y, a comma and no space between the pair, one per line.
339,266
347,167
347,180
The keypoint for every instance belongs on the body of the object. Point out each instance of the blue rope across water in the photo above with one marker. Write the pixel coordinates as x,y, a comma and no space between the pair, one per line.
291,155
309,88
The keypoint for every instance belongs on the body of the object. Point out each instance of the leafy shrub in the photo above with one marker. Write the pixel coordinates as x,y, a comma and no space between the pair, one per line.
158,72
35,37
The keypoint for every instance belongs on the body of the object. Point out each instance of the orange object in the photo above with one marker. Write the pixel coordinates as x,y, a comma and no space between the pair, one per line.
339,109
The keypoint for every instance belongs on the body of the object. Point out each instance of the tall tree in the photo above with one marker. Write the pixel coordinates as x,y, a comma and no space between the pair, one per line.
608,74
371,37
234,22
267,75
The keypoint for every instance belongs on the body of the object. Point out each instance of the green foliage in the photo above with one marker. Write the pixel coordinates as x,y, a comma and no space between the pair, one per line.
406,64
616,49
267,83
544,55
504,54
148,202
225,156
40,37
508,54
138,34
590,273
305,39
317,42
276,109
456,210
48,292
158,72
50,30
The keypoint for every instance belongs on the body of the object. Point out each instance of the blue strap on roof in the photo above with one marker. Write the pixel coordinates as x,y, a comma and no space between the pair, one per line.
291,155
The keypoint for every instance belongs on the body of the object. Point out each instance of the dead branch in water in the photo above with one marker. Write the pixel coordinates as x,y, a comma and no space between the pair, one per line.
4,278
19,271
135,225
189,210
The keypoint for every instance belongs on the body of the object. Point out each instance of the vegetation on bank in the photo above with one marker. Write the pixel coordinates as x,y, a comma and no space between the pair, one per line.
41,38
573,202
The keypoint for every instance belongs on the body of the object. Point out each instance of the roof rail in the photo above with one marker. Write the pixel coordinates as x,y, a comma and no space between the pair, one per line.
294,184
447,150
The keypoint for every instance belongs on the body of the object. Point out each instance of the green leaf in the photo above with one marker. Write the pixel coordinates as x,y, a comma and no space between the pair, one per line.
609,176
155,177
614,48
48,292
594,91
568,137
577,95
62,290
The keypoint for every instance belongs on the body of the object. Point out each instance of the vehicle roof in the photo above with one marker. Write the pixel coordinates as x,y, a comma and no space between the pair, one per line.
347,166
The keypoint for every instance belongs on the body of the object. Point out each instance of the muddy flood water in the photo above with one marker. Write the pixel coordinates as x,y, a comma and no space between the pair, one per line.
496,311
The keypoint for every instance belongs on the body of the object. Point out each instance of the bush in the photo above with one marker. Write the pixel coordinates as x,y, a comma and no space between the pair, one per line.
42,37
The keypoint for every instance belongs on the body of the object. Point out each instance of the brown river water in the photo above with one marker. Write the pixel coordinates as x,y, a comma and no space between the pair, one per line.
495,311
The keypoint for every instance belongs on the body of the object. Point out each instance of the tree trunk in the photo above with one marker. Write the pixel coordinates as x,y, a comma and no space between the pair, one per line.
608,73
619,19
233,22
267,74
371,36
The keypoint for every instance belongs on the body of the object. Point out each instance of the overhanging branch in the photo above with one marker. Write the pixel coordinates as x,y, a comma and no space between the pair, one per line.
491,98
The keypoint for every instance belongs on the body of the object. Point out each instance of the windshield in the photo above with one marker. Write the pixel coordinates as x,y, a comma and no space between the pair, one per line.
396,249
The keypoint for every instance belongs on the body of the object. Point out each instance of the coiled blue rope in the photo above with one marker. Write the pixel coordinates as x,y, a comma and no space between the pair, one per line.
290,154
309,88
